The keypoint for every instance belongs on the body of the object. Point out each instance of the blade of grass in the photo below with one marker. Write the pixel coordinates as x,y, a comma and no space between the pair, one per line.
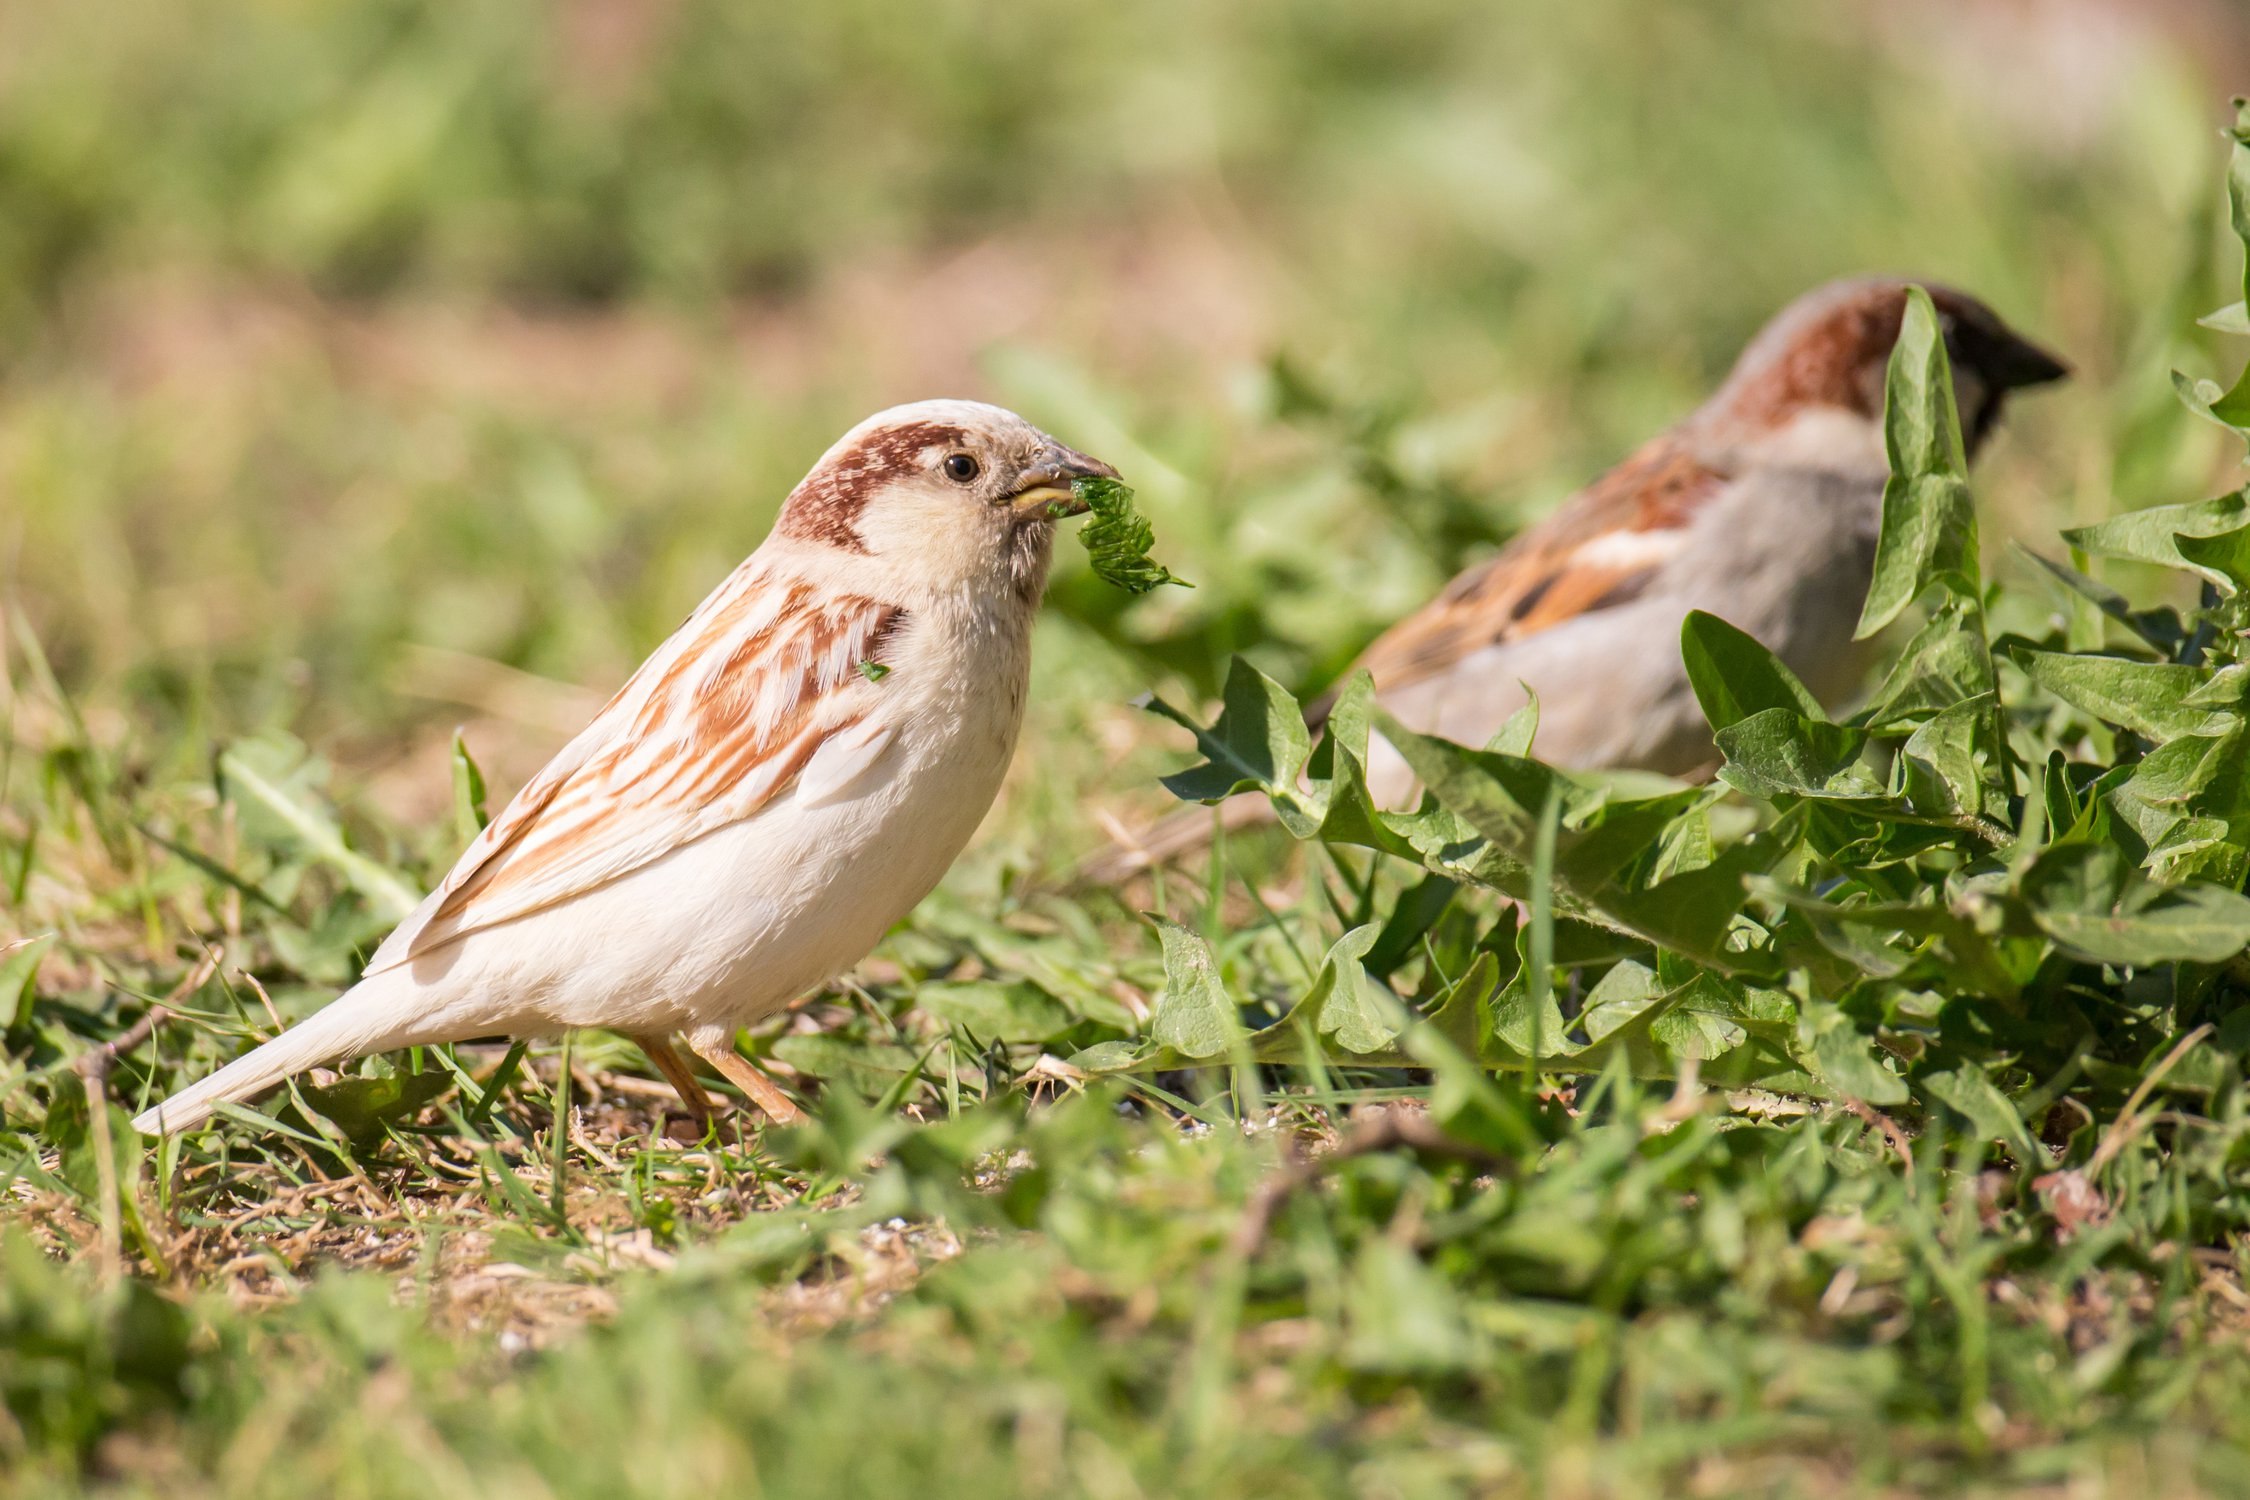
558,1149
502,1076
1541,979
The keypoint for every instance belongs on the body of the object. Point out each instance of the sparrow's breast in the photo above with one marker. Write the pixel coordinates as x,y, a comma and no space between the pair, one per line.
826,883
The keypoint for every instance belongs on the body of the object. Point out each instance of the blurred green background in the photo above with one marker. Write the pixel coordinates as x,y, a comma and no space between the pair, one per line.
369,366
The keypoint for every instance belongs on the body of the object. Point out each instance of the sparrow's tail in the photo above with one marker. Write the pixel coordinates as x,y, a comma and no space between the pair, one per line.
375,1015
1171,837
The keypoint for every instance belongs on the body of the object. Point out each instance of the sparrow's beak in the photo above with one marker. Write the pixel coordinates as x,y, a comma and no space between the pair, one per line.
1044,487
2013,362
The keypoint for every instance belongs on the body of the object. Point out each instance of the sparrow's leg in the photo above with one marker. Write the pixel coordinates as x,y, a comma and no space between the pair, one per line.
676,1073
715,1045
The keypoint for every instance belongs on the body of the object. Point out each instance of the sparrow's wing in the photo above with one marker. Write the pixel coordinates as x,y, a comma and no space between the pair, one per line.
1600,549
763,683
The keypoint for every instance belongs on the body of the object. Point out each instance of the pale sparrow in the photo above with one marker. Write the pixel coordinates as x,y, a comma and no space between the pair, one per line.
782,780
1762,506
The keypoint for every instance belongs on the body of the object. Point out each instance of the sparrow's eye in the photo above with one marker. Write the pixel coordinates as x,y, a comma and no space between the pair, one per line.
960,467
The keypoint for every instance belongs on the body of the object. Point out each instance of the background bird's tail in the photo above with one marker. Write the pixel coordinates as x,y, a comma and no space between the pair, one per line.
375,1015
1171,837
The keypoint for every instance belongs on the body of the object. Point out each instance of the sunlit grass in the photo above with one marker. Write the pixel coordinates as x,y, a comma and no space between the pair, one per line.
373,368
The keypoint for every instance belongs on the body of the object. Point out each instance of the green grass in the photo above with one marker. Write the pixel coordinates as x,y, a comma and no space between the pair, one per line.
370,371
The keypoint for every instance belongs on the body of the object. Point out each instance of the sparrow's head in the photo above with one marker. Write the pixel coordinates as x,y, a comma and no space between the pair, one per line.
1828,351
955,491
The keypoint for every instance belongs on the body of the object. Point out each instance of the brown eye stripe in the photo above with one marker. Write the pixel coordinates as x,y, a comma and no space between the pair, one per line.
826,506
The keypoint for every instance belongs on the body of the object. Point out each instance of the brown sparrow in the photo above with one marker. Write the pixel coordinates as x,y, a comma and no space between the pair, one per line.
1762,507
786,777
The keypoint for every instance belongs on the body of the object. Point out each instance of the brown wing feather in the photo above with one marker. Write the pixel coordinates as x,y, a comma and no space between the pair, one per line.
1599,549
709,730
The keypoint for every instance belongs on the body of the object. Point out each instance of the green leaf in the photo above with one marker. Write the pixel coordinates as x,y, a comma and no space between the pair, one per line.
2229,687
1844,1057
1411,917
873,1066
1109,1057
1600,839
1628,989
1692,913
1518,730
1929,531
363,1108
2238,184
2199,849
2160,628
1734,676
1259,742
1457,1012
1195,1016
1894,939
1465,1101
1778,752
1118,537
2152,535
1348,725
469,816
1991,1114
1703,1018
2189,800
2224,406
2058,796
1686,845
2229,408
994,1012
1704,1015
2233,318
19,982
1947,662
1197,1022
1344,1005
1335,806
2197,770
1515,1019
2224,557
1498,795
2149,698
1402,1318
2090,900
1949,767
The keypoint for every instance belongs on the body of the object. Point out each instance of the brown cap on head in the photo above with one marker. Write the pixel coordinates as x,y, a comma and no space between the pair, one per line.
969,463
826,504
1832,346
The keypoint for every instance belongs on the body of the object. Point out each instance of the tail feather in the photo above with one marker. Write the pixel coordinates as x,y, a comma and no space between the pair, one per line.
372,1016
1172,837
